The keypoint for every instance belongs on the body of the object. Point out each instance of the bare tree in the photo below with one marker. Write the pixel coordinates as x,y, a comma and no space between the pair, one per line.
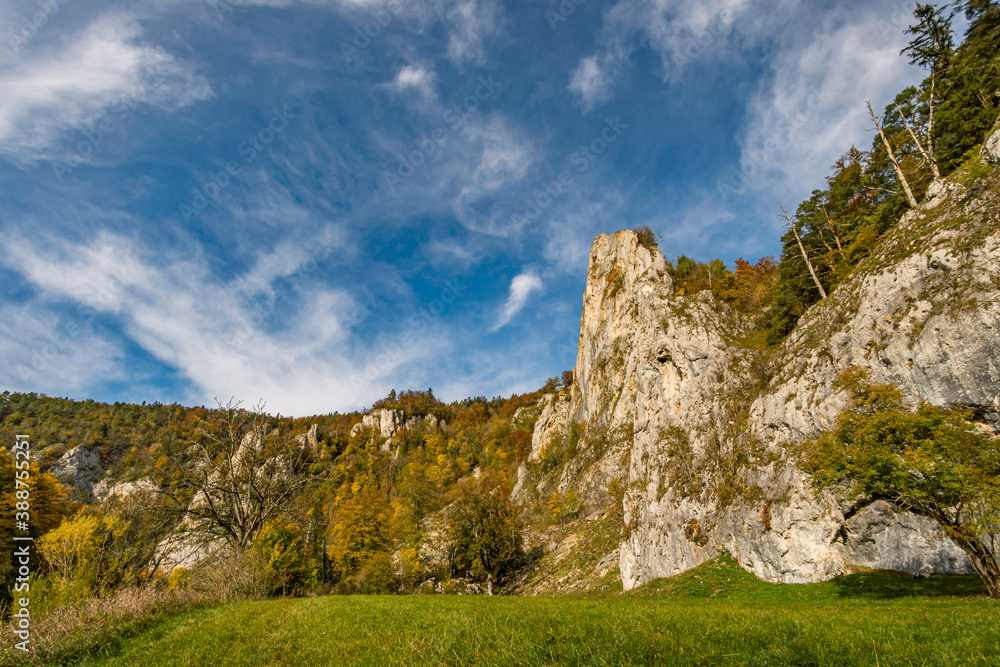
931,48
805,256
236,478
928,152
892,157
833,229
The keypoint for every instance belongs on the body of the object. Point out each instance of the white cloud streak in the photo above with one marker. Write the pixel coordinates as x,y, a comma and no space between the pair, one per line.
43,351
415,77
590,81
520,289
471,22
500,158
679,31
101,70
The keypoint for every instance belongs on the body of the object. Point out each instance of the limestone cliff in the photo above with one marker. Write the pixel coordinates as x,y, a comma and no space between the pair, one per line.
385,424
678,413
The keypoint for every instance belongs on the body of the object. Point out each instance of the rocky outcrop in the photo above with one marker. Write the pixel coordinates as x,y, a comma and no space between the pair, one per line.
309,439
383,422
694,426
552,421
881,539
104,490
78,468
928,322
434,548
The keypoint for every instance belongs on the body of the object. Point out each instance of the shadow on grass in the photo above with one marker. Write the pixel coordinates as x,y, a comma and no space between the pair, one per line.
878,585
723,578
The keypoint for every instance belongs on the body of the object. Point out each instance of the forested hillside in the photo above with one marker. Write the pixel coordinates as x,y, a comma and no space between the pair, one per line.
364,499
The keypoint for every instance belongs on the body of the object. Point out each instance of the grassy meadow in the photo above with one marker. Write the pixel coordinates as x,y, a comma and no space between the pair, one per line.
716,614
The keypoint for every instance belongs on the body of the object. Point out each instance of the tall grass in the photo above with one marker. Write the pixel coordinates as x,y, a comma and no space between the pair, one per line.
67,632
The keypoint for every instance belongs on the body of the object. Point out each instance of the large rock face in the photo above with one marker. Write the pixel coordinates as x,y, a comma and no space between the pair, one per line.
386,424
695,428
78,468
309,439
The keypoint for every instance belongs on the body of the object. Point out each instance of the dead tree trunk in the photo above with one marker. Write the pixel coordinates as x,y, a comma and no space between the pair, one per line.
930,129
928,152
916,139
829,223
805,256
895,163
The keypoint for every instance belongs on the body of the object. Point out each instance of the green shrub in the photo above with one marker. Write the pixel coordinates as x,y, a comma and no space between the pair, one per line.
378,575
647,238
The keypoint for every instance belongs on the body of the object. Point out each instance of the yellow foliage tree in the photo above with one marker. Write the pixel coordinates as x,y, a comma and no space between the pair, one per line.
71,547
287,567
360,530
563,505
47,500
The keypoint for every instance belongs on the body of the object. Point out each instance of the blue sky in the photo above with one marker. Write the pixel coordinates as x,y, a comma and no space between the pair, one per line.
313,202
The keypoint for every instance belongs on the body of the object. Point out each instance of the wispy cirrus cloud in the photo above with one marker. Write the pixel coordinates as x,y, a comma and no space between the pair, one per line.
471,23
474,120
73,84
679,31
225,336
813,107
46,350
591,80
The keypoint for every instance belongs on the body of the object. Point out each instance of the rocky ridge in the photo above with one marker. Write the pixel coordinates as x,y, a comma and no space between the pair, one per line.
386,423
694,427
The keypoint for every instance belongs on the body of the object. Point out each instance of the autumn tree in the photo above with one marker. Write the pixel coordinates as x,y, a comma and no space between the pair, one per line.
567,379
926,460
360,529
70,548
130,530
238,475
485,534
647,238
281,551
563,505
48,507
748,288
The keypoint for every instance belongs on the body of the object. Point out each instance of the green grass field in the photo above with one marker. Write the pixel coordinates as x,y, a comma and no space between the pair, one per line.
717,614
